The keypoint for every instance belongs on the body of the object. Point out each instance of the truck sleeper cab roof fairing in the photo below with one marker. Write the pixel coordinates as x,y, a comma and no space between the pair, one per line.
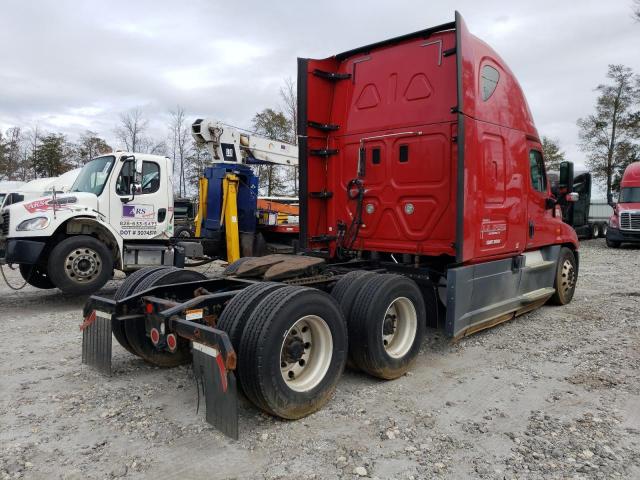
417,89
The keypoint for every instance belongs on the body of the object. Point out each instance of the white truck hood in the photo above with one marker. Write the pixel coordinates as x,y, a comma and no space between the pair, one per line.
58,211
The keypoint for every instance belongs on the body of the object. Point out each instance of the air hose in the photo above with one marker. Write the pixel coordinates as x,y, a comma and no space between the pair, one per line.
6,280
355,191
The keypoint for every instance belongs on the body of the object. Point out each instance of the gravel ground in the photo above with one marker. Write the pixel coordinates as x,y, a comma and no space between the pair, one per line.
552,394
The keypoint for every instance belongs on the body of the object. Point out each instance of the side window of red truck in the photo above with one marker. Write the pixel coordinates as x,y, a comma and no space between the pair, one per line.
488,81
536,166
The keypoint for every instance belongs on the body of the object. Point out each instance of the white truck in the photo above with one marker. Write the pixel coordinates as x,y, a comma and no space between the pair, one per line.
117,215
15,191
7,189
74,241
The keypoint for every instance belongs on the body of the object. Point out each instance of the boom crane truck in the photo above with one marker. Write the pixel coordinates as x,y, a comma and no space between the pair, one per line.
119,214
424,201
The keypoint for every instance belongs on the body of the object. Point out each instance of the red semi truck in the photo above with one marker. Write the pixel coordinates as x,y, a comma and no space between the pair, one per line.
624,224
424,201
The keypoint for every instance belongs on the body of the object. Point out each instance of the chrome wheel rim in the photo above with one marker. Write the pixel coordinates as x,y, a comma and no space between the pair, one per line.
82,265
399,327
306,353
184,234
568,280
595,232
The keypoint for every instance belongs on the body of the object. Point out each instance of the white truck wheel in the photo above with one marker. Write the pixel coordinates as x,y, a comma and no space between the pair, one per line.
80,265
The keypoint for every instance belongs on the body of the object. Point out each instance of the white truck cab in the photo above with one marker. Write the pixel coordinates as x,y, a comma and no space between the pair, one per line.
117,215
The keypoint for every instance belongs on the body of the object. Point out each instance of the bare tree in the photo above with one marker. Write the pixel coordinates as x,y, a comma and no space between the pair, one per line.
4,170
289,95
606,134
196,160
33,138
152,146
636,10
133,124
12,153
180,145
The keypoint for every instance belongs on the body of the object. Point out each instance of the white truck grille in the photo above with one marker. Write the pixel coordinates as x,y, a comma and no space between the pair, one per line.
630,221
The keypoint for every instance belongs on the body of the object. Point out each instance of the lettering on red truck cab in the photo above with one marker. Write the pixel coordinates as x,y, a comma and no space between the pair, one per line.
493,233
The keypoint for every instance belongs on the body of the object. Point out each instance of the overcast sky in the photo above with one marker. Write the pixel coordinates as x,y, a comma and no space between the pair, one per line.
69,66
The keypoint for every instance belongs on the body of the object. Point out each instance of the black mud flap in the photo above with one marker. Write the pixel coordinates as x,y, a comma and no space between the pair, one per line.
96,341
219,387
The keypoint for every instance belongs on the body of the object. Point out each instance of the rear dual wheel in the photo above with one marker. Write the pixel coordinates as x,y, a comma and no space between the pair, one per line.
126,288
292,352
132,334
387,325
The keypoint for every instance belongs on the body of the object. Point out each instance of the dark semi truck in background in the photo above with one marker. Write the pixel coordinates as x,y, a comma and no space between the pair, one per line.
588,217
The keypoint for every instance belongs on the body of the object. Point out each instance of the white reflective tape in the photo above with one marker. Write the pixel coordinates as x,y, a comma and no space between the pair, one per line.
103,315
196,314
206,349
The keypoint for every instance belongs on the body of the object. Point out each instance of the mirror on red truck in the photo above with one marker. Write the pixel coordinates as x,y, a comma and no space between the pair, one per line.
565,183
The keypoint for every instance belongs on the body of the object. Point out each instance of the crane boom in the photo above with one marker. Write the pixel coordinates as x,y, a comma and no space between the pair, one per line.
231,145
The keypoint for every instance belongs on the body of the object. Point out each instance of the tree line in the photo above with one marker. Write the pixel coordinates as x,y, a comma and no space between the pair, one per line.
30,153
26,154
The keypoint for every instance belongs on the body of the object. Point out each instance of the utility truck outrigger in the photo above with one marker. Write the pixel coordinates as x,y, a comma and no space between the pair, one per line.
424,200
119,214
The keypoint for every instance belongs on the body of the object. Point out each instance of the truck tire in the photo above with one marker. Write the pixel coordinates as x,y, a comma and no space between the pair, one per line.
293,351
345,282
136,331
80,265
232,268
387,326
613,243
237,312
347,289
595,230
35,276
566,277
603,230
183,232
125,289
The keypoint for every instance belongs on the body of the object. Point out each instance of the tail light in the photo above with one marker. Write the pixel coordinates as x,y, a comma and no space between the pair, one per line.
172,342
155,336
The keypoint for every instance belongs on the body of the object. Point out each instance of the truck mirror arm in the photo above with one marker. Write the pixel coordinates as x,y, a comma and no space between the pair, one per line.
134,188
